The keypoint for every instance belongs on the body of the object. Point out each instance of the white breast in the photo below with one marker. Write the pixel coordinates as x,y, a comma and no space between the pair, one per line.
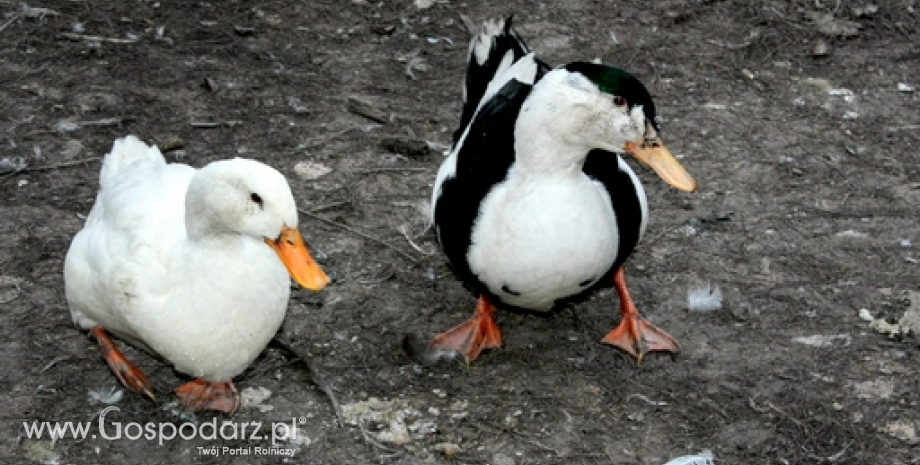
539,240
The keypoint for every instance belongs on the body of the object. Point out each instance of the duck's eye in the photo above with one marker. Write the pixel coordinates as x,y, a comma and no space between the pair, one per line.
619,101
256,198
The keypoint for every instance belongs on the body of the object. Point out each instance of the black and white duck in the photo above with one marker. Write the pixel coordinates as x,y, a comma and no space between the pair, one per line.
534,203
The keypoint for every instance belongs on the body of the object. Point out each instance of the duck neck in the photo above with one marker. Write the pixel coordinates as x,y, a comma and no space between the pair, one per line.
540,149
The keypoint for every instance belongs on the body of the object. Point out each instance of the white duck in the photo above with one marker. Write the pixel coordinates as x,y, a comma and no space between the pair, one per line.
184,263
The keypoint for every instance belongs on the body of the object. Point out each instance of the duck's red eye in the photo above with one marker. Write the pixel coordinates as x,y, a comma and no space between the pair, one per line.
619,101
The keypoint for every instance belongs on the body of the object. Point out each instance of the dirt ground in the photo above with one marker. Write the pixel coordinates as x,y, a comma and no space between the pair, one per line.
799,119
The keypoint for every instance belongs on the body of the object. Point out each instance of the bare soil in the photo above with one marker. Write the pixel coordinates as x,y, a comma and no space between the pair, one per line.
788,113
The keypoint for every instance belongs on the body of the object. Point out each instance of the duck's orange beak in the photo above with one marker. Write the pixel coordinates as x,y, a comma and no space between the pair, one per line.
293,253
654,154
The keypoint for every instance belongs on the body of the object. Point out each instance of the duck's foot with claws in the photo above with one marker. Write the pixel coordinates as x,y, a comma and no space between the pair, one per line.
472,337
129,375
635,335
201,395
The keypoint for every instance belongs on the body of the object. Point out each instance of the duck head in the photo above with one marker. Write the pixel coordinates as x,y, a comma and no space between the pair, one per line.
598,106
246,197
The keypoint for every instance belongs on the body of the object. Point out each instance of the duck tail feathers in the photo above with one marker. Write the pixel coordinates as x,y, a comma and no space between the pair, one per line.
125,152
496,47
493,49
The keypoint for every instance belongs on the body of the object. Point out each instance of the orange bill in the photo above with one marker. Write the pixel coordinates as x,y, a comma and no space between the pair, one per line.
293,253
654,154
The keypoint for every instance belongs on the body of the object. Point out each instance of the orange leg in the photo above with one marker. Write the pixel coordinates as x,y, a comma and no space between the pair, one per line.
470,338
635,335
129,375
200,395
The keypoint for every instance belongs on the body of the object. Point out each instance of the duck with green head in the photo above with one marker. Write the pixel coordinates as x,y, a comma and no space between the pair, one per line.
534,203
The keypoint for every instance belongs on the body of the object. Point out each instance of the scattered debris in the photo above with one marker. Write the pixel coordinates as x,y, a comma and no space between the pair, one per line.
209,84
169,143
821,48
213,124
910,321
297,105
367,110
32,12
408,146
852,233
865,11
449,449
105,395
71,149
753,35
383,29
12,165
41,452
875,389
90,38
10,288
688,229
310,170
903,430
718,217
704,297
254,398
244,31
703,458
392,419
66,126
892,330
828,25
907,324
821,340
416,63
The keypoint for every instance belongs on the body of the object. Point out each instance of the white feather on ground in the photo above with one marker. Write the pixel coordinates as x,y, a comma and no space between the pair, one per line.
703,458
704,297
105,395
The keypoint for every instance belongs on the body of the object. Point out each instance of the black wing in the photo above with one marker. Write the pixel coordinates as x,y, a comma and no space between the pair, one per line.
483,160
604,167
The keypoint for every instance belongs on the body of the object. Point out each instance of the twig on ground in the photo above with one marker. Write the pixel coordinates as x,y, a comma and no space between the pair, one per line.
89,38
63,164
359,233
330,206
384,169
55,166
371,441
11,21
54,362
329,136
315,376
404,229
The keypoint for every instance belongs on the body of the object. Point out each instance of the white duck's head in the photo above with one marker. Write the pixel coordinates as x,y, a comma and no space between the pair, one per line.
592,106
246,197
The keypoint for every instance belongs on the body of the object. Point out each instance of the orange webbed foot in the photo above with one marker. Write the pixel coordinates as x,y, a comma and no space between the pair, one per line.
129,375
201,395
473,336
635,335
